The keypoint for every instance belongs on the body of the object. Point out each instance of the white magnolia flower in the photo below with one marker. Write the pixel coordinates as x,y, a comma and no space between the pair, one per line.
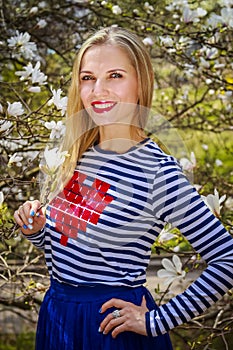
211,53
136,12
229,203
15,159
218,65
41,24
172,270
170,7
201,12
204,63
15,109
116,10
194,16
38,76
42,4
227,16
205,147
19,39
225,3
33,10
176,249
1,198
58,101
35,89
183,42
179,102
188,164
218,162
197,187
5,125
214,20
165,234
57,129
22,46
149,8
214,202
34,75
189,70
176,5
226,96
25,74
1,108
209,81
166,41
211,92
148,41
53,158
189,15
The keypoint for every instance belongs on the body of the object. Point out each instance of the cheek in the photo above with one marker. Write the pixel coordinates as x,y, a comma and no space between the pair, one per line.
131,91
84,94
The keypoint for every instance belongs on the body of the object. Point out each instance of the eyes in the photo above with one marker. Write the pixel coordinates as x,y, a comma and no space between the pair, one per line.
116,75
87,77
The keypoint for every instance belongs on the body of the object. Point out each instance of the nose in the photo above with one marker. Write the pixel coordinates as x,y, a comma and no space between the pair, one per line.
99,86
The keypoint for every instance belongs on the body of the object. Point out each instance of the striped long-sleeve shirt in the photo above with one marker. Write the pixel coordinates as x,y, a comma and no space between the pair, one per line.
101,227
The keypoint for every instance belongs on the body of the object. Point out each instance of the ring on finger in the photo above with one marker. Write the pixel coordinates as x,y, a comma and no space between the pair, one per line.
116,313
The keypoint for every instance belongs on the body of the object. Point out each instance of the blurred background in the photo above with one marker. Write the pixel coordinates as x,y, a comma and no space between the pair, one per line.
191,46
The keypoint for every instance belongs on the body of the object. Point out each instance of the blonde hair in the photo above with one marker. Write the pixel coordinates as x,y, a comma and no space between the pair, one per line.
77,118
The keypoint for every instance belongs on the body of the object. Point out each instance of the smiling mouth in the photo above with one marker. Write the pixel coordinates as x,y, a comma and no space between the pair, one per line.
102,107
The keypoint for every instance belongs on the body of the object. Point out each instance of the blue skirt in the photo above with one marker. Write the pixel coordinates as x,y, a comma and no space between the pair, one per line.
69,319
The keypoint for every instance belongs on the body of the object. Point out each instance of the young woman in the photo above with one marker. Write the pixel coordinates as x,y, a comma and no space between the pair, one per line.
119,190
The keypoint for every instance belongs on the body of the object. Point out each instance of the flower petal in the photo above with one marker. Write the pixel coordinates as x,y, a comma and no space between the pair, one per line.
168,265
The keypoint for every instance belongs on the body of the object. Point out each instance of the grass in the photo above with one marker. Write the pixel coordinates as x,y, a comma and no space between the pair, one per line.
20,341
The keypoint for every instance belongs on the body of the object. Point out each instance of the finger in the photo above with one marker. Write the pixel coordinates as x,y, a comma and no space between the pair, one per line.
24,213
112,324
105,321
117,330
36,217
109,319
117,303
21,223
24,216
18,218
35,208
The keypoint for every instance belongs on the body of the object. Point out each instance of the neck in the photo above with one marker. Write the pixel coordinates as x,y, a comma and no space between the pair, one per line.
119,138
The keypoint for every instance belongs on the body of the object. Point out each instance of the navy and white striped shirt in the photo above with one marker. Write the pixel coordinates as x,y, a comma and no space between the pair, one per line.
100,228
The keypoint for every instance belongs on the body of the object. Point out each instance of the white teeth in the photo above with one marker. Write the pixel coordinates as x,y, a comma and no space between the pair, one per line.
103,105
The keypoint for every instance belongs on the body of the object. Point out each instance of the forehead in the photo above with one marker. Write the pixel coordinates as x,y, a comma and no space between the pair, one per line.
104,56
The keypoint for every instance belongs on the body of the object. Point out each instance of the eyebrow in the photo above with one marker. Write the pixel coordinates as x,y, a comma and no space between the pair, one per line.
109,71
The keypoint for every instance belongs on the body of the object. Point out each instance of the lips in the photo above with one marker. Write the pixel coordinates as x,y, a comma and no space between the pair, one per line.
102,106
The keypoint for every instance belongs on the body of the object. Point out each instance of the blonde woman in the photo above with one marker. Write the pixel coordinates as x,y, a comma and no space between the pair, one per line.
119,189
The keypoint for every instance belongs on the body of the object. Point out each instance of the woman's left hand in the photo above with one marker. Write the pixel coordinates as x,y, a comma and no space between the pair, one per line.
130,317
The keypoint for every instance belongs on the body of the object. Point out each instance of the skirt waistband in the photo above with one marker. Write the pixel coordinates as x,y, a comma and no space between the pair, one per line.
82,293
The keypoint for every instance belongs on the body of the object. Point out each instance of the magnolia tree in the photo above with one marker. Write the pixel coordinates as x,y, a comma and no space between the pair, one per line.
191,48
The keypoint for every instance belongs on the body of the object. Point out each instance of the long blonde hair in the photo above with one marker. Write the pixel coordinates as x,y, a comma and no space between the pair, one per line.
78,121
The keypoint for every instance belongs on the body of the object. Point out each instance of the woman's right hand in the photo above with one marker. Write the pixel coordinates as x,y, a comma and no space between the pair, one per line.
29,217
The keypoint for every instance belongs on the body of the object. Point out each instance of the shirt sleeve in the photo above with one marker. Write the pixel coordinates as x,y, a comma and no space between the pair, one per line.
37,239
176,201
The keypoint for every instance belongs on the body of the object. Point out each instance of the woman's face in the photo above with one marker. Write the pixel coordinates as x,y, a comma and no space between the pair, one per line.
108,83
